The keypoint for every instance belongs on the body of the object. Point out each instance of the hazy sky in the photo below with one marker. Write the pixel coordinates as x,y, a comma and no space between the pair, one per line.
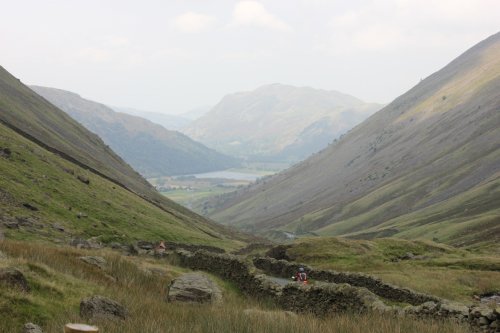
174,55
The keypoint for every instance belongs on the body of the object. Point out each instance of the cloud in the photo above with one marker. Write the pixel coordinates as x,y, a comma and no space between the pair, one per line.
253,13
192,22
393,24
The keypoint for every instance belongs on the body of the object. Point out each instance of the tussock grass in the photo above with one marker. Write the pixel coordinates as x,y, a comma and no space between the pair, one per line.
59,280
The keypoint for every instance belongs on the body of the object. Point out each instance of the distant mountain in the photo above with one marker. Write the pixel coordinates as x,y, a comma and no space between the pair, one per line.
149,148
59,181
278,122
171,122
196,113
425,166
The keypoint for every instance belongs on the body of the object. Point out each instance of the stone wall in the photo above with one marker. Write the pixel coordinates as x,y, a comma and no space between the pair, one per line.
324,298
286,269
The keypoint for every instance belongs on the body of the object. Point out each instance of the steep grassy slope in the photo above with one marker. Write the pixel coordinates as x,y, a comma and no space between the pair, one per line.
427,165
41,197
149,148
279,122
47,137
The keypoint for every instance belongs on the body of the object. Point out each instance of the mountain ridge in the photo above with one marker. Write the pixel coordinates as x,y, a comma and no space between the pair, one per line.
150,148
270,121
365,179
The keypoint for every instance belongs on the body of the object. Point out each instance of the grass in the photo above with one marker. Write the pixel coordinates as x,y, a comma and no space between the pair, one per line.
36,174
48,182
59,280
444,271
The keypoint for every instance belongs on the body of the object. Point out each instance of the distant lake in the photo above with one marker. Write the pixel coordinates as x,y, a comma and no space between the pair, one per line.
229,175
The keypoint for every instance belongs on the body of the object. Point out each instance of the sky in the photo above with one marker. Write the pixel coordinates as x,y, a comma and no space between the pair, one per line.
172,56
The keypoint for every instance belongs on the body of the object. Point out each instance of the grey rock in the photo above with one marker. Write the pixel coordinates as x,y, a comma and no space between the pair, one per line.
3,255
94,243
194,288
145,245
99,307
95,261
14,278
5,152
2,236
11,225
58,227
483,321
455,308
83,179
115,245
32,328
80,243
133,249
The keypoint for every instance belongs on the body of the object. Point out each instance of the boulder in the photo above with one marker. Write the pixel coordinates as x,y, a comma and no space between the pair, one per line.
133,250
5,152
80,243
95,261
83,179
145,245
58,227
14,278
3,255
32,328
94,242
100,307
194,288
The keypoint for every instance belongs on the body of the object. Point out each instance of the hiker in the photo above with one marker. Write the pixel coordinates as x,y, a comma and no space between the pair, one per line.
301,276
160,249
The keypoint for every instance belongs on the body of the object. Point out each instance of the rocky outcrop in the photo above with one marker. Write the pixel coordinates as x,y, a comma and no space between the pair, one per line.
194,288
283,268
32,328
98,307
13,278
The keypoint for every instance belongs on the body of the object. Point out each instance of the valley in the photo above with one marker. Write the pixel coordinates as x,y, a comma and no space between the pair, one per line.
258,198
198,190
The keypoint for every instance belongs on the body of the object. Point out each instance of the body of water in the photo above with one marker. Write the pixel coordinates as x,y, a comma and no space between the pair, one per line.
229,175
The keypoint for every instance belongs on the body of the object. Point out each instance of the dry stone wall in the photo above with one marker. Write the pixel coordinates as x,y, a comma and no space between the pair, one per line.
323,298
283,268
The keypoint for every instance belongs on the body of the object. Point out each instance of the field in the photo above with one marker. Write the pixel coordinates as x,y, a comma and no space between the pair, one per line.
197,193
59,280
425,266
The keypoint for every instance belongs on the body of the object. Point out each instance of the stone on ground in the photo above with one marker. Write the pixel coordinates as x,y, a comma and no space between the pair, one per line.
32,328
194,288
13,278
102,307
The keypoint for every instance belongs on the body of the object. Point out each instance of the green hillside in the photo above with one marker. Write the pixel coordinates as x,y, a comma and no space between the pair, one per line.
426,166
58,200
46,162
149,148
